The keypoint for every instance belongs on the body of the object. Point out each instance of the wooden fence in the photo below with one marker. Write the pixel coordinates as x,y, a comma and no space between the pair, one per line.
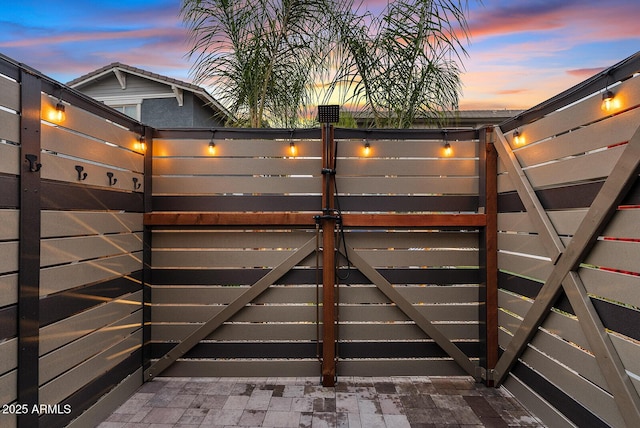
130,252
569,254
71,207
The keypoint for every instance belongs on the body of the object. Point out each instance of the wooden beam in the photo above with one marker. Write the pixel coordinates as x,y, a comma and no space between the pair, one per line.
328,224
122,78
286,218
178,94
489,253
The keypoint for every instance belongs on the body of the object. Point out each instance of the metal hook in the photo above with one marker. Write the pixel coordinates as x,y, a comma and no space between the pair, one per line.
81,176
34,166
136,185
112,181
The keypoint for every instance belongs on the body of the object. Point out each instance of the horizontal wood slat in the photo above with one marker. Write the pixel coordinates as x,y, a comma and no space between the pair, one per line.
358,203
76,223
307,294
308,368
8,289
524,266
415,367
297,276
348,167
66,250
612,286
564,222
300,332
9,94
9,158
435,258
9,259
57,195
205,185
615,254
211,185
9,355
307,313
9,126
8,390
294,219
9,224
244,368
624,225
582,168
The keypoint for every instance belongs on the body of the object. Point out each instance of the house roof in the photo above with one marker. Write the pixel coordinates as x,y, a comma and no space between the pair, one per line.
177,85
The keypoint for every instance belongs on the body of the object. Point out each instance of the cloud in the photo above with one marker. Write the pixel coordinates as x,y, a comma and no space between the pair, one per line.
512,91
579,21
517,17
92,36
584,73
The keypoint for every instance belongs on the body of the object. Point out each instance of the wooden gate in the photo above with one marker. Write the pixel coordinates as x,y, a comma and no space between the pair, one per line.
241,219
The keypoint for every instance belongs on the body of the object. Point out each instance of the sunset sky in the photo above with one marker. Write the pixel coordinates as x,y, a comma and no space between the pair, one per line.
522,52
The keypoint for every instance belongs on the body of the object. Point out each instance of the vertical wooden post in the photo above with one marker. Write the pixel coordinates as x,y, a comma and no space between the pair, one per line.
146,253
29,253
490,250
328,258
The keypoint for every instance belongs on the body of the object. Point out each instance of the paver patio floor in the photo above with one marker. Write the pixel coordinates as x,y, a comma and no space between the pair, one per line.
366,402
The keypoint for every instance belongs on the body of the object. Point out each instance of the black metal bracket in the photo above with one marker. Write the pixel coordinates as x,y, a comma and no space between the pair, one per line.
34,165
112,181
319,218
329,171
81,175
136,185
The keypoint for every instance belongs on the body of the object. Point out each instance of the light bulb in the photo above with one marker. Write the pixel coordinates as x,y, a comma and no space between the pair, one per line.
518,139
448,151
607,100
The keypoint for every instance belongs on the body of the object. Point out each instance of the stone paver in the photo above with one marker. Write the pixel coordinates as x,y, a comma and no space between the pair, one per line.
355,402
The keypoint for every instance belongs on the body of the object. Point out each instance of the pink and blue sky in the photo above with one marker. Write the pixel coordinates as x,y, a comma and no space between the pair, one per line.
522,52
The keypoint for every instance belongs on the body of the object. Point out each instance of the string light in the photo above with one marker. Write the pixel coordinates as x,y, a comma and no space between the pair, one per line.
141,145
607,100
212,145
58,115
448,150
293,150
518,138
367,149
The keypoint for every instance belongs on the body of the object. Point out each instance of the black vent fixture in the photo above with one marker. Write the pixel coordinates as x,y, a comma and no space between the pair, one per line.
329,114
